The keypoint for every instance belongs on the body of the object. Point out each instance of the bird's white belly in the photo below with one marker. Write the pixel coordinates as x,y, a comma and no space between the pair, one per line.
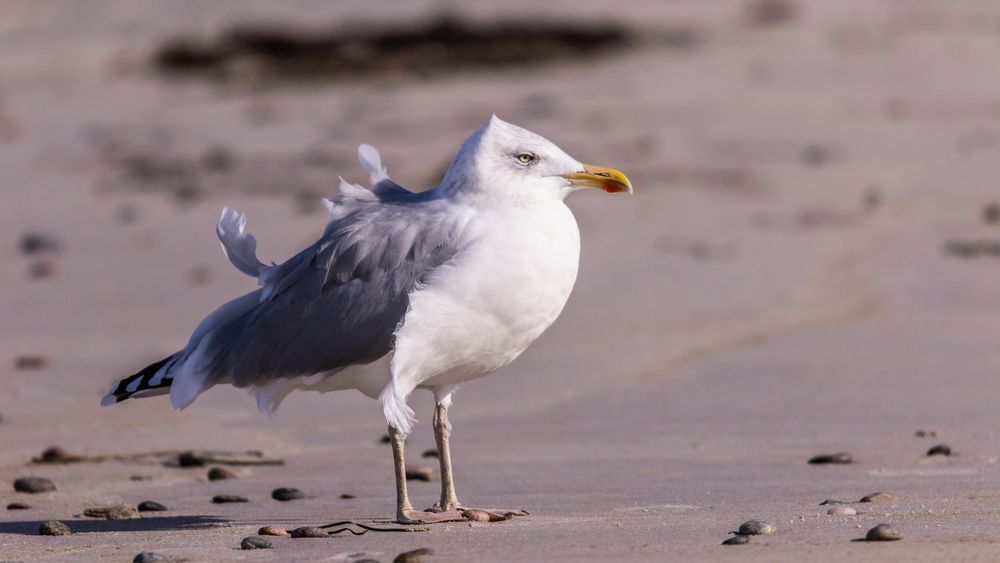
480,311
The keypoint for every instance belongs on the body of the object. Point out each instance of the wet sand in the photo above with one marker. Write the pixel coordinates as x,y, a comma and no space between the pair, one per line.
778,287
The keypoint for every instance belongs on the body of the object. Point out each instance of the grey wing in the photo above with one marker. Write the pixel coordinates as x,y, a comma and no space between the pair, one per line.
338,302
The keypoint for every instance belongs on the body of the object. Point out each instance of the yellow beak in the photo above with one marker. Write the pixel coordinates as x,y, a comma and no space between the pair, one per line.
607,179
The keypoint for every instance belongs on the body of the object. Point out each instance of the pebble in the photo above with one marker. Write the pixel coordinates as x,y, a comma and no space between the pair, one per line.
940,449
991,212
30,362
151,506
217,473
883,532
415,556
842,511
419,473
309,532
756,528
254,542
286,493
139,478
833,501
476,515
927,433
839,458
272,531
222,499
54,528
188,459
879,497
150,557
17,506
347,496
122,512
737,540
55,454
430,453
33,485
36,243
385,439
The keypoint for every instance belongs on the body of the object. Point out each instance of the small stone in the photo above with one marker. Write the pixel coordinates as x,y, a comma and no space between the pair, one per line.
309,532
217,159
222,499
33,485
254,542
833,501
217,473
927,433
54,528
419,473
17,506
286,493
189,459
55,454
991,213
737,540
839,458
150,557
96,512
476,515
879,497
272,531
415,556
139,478
385,439
347,496
940,449
37,243
151,506
430,453
883,532
842,511
122,512
30,362
756,528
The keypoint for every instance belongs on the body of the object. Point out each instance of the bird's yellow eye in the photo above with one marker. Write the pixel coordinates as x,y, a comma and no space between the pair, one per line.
525,158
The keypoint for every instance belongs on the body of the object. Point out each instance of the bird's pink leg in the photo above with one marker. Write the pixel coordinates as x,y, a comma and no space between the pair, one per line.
404,510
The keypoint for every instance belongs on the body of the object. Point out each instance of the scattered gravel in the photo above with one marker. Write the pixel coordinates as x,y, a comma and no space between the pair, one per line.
927,433
33,485
54,528
883,532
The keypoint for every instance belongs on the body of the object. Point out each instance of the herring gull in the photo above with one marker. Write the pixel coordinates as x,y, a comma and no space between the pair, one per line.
453,283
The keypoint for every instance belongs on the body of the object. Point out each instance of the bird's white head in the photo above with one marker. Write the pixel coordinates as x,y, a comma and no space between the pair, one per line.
502,161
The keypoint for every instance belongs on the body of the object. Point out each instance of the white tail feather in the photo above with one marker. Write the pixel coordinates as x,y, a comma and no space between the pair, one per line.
239,247
371,161
397,413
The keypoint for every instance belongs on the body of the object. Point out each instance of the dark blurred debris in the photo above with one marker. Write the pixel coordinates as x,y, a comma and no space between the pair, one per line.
940,449
37,243
972,248
283,53
126,214
348,496
419,473
33,485
30,361
150,557
17,506
816,155
830,501
385,439
879,497
151,506
174,458
872,197
224,499
926,433
430,453
839,458
414,556
200,275
41,269
287,493
991,213
195,458
697,249
55,454
117,512
219,473
737,540
217,159
309,532
770,13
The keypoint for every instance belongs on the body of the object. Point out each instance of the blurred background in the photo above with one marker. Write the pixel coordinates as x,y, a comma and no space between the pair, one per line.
808,264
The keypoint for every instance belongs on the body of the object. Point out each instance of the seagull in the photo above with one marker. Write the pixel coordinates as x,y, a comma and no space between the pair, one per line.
452,283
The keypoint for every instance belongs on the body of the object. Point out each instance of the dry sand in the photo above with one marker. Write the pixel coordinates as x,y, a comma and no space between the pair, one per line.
777,288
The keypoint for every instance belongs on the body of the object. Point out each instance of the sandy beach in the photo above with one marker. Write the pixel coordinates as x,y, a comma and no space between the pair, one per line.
808,266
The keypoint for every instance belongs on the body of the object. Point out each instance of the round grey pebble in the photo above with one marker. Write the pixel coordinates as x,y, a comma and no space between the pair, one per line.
150,557
883,532
151,506
17,506
756,528
940,449
737,540
33,485
414,556
309,532
256,542
287,493
218,473
222,499
272,531
54,528
842,511
839,458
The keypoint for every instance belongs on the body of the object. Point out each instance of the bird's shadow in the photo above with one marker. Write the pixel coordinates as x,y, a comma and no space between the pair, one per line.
144,524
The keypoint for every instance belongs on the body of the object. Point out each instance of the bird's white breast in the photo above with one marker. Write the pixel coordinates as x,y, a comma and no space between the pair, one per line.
482,309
